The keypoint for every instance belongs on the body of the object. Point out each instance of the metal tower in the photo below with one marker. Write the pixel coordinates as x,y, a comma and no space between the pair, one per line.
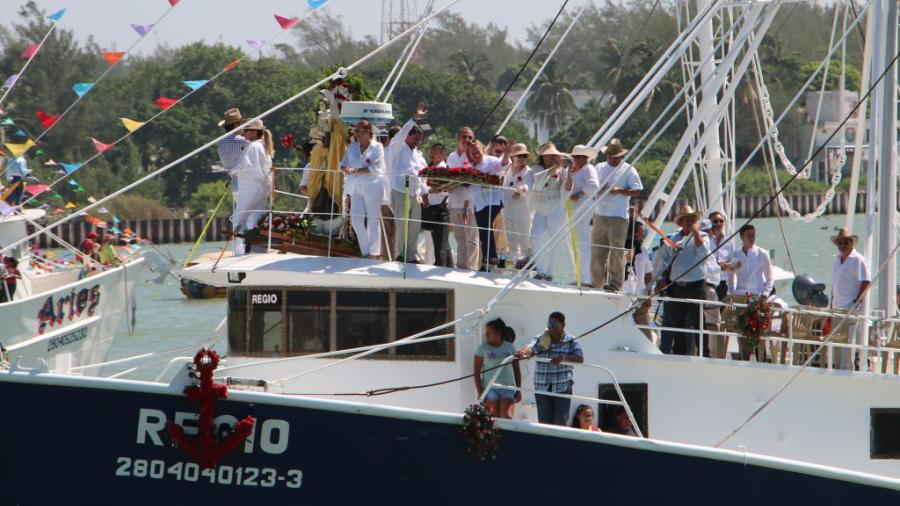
396,16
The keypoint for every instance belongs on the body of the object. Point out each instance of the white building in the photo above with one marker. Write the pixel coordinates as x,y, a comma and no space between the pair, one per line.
535,126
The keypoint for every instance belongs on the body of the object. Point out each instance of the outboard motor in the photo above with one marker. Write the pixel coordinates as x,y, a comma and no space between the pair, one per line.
809,293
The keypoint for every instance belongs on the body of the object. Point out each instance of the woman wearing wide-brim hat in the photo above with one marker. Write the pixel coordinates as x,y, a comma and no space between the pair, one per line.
518,181
548,204
254,175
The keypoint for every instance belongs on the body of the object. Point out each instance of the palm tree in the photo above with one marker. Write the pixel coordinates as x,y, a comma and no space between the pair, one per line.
625,68
474,67
552,101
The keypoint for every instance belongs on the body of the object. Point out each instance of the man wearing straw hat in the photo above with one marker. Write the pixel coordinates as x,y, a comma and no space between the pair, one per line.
581,184
611,217
849,280
683,271
231,147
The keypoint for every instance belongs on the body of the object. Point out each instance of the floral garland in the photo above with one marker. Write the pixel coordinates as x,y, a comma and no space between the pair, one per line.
298,228
479,434
204,448
753,321
447,179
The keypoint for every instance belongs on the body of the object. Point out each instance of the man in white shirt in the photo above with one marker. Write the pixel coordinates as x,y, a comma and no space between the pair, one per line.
486,201
849,281
462,216
581,184
611,217
751,265
721,251
407,188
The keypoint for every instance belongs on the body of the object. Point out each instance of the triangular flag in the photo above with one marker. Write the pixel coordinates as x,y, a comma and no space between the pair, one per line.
195,84
56,16
256,43
128,231
116,220
36,189
73,182
10,81
232,65
112,57
56,196
114,230
286,22
131,125
16,150
315,4
165,103
81,88
50,162
7,121
39,152
173,3
79,189
103,210
28,53
70,167
46,119
70,205
92,200
142,29
101,147
20,133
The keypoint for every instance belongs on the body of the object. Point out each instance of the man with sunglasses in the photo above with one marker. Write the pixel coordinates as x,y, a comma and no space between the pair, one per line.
555,344
722,250
849,280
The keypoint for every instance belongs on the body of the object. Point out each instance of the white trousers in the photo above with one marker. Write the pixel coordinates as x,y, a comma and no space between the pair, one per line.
582,240
517,225
466,236
365,216
544,224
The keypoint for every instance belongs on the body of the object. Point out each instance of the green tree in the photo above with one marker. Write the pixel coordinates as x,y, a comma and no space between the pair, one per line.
552,100
204,200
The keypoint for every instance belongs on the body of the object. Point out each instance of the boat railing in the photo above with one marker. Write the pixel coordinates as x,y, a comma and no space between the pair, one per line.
875,339
611,402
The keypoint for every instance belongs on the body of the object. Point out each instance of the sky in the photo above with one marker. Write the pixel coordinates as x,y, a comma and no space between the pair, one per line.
235,21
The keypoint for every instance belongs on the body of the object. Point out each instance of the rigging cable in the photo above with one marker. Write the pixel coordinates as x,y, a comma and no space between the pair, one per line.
522,68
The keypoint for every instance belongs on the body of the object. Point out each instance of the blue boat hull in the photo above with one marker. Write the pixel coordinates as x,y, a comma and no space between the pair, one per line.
71,445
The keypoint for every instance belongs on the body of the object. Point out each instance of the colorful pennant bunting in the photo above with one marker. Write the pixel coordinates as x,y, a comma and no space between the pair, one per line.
142,29
101,146
165,103
70,205
46,119
36,189
256,43
50,162
92,200
73,182
7,122
232,65
103,210
81,88
10,81
56,16
286,23
131,125
16,150
113,57
315,4
173,2
70,167
31,51
116,220
20,133
114,230
39,152
195,84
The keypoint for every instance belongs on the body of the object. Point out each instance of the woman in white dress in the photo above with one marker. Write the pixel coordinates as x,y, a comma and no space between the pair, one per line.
254,175
581,184
549,206
364,170
518,180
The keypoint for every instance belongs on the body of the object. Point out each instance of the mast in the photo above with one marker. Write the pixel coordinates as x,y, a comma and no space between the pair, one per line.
712,159
888,163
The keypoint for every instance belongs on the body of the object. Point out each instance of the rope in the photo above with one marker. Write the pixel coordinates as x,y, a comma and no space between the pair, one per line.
212,217
521,69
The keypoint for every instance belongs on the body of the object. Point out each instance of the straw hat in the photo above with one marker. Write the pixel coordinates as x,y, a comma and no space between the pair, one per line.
231,117
256,124
613,149
582,150
685,212
519,149
844,234
548,148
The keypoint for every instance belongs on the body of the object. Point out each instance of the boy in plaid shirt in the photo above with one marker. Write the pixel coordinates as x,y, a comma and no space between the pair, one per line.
558,346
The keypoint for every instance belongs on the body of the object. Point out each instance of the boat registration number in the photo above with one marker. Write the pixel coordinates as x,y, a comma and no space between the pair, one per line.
241,476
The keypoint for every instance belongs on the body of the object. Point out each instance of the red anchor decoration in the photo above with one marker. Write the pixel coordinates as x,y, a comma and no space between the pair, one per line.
204,448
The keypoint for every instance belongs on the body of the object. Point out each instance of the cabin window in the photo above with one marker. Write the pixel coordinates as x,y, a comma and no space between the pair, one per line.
281,322
885,433
636,397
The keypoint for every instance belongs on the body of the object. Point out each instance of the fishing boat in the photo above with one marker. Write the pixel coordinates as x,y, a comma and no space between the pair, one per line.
347,379
196,290
68,311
